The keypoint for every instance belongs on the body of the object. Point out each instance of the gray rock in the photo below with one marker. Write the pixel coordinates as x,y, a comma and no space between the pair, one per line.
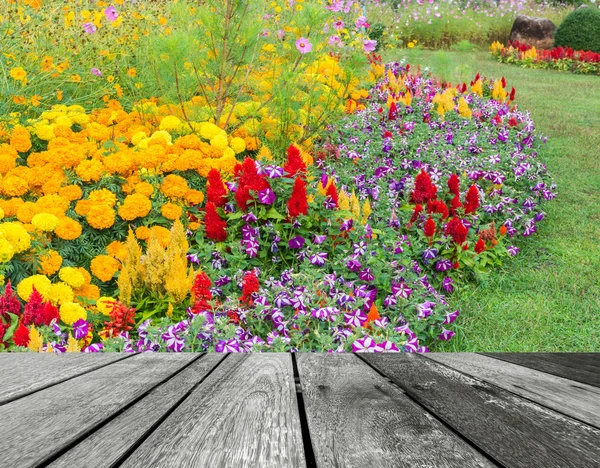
535,32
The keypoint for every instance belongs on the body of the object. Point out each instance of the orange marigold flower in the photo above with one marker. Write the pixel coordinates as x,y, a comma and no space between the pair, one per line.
71,192
50,262
68,229
104,267
117,249
100,216
174,186
135,206
171,211
20,140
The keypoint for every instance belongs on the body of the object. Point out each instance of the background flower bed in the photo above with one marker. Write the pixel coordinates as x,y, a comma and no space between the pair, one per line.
158,158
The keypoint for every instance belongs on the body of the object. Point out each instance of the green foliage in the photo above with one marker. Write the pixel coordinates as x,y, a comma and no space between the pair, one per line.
580,30
464,46
376,33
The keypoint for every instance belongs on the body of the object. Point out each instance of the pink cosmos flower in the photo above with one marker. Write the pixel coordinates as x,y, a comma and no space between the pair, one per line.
90,28
369,45
338,25
96,72
333,40
111,13
303,45
361,22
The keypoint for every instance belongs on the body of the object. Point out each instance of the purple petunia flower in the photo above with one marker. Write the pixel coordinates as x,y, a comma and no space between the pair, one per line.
451,317
512,250
94,348
386,347
448,284
353,264
318,259
228,346
366,274
443,265
446,335
274,172
80,329
401,290
266,196
365,344
296,242
319,239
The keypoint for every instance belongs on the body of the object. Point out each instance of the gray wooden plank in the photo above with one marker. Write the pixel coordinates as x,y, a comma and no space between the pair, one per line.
245,414
38,426
574,399
24,373
513,431
357,418
106,446
580,367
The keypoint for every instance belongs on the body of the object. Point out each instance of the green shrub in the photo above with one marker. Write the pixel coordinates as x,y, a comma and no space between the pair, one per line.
376,33
580,30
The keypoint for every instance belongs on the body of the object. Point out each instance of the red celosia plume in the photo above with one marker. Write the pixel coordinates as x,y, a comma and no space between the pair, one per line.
214,226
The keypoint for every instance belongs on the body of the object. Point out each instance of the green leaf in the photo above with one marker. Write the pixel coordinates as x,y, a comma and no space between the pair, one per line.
14,323
274,214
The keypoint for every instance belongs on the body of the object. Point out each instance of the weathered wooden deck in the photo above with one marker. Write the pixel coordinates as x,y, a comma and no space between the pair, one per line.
304,410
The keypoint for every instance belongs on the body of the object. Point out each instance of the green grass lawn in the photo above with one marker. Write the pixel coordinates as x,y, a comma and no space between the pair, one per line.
548,297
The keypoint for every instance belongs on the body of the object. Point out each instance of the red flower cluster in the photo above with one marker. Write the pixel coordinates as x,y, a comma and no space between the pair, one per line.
294,162
333,194
216,192
472,200
213,224
122,319
424,189
37,312
439,207
418,209
454,184
429,228
298,203
479,246
21,335
457,230
250,285
201,293
9,303
248,179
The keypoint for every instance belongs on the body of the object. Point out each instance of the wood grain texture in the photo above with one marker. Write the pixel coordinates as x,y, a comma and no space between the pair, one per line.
36,427
28,372
584,367
245,414
358,419
513,431
106,446
575,399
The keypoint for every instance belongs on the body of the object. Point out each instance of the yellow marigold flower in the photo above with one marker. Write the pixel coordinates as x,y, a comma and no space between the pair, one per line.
70,312
45,222
44,132
1,214
194,197
209,130
174,186
100,216
238,145
219,141
170,124
50,262
86,275
71,192
135,206
6,251
72,276
105,305
90,170
17,235
20,139
41,283
104,267
61,293
171,211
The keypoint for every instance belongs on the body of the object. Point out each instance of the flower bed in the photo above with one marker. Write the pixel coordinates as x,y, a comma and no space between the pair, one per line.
559,58
409,197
